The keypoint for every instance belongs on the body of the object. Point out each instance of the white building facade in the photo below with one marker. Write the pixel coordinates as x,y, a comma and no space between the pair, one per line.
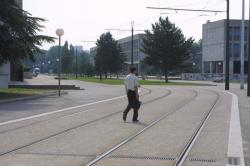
214,47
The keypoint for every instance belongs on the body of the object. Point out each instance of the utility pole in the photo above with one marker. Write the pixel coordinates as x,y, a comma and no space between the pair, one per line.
227,50
76,63
132,39
132,44
242,60
248,75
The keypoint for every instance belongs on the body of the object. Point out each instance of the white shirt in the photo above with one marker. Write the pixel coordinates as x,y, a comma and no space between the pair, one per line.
131,81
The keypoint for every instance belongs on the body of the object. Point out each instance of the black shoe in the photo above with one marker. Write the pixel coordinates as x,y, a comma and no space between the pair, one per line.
124,118
136,121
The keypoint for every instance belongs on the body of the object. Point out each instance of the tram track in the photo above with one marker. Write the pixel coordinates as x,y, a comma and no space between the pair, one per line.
130,138
149,91
181,158
78,126
184,153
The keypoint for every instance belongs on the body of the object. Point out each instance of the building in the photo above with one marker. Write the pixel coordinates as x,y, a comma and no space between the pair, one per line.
5,69
79,49
214,46
126,45
138,55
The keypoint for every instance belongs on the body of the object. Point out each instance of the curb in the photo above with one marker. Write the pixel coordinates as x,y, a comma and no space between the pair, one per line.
30,97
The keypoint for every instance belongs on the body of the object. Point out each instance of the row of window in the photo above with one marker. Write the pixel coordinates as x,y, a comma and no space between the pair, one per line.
127,45
235,50
128,55
235,33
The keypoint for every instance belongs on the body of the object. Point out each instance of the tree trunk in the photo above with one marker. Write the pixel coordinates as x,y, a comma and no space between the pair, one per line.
106,75
166,75
100,76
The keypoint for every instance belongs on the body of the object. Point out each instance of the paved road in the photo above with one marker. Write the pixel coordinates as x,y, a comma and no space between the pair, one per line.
93,92
169,118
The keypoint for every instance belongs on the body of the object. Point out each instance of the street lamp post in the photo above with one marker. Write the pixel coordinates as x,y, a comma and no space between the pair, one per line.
76,63
242,53
48,67
59,33
132,44
227,50
194,67
219,64
248,75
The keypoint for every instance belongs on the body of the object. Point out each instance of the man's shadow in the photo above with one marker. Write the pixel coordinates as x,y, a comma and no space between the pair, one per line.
138,123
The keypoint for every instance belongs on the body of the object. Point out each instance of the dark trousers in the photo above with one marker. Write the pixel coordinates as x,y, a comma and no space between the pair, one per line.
132,103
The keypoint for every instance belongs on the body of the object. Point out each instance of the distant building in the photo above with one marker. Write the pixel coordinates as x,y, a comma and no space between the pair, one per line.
139,56
79,48
214,46
126,45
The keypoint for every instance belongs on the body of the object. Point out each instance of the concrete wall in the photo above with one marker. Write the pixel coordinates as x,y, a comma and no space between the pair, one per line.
4,75
213,41
214,44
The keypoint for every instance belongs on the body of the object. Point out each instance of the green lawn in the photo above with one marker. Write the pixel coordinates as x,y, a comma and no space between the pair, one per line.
19,92
142,82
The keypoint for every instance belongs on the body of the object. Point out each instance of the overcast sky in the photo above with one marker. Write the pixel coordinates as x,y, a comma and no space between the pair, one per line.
86,20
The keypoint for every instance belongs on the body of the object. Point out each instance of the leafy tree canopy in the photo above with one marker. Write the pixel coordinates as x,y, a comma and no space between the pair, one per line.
109,57
19,38
165,46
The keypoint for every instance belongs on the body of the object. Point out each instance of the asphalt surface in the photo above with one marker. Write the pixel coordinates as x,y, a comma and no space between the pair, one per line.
76,136
91,93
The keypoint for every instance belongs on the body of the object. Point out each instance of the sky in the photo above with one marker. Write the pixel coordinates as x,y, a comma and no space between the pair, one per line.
84,21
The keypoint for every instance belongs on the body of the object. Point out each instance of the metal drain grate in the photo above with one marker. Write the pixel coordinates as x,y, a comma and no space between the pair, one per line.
202,160
233,160
142,157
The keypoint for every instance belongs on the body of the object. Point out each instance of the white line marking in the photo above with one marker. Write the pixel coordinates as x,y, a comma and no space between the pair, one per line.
58,111
235,146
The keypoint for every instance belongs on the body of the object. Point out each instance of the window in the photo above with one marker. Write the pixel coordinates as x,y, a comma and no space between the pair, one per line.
230,49
245,50
236,33
246,33
236,67
236,50
230,33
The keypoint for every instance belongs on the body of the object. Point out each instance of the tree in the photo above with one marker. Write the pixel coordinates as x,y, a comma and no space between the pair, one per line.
196,56
67,58
194,63
166,47
51,57
118,61
109,57
83,61
18,33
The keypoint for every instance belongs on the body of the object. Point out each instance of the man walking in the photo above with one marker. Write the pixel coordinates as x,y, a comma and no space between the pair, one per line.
131,86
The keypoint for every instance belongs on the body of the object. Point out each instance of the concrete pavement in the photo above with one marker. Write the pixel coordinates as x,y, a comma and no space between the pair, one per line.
79,135
244,106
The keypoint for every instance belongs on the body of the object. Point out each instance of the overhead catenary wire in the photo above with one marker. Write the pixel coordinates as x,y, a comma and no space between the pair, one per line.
188,10
115,29
198,3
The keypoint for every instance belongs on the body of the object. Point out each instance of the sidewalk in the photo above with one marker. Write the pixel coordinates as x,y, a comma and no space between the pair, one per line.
244,106
40,80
